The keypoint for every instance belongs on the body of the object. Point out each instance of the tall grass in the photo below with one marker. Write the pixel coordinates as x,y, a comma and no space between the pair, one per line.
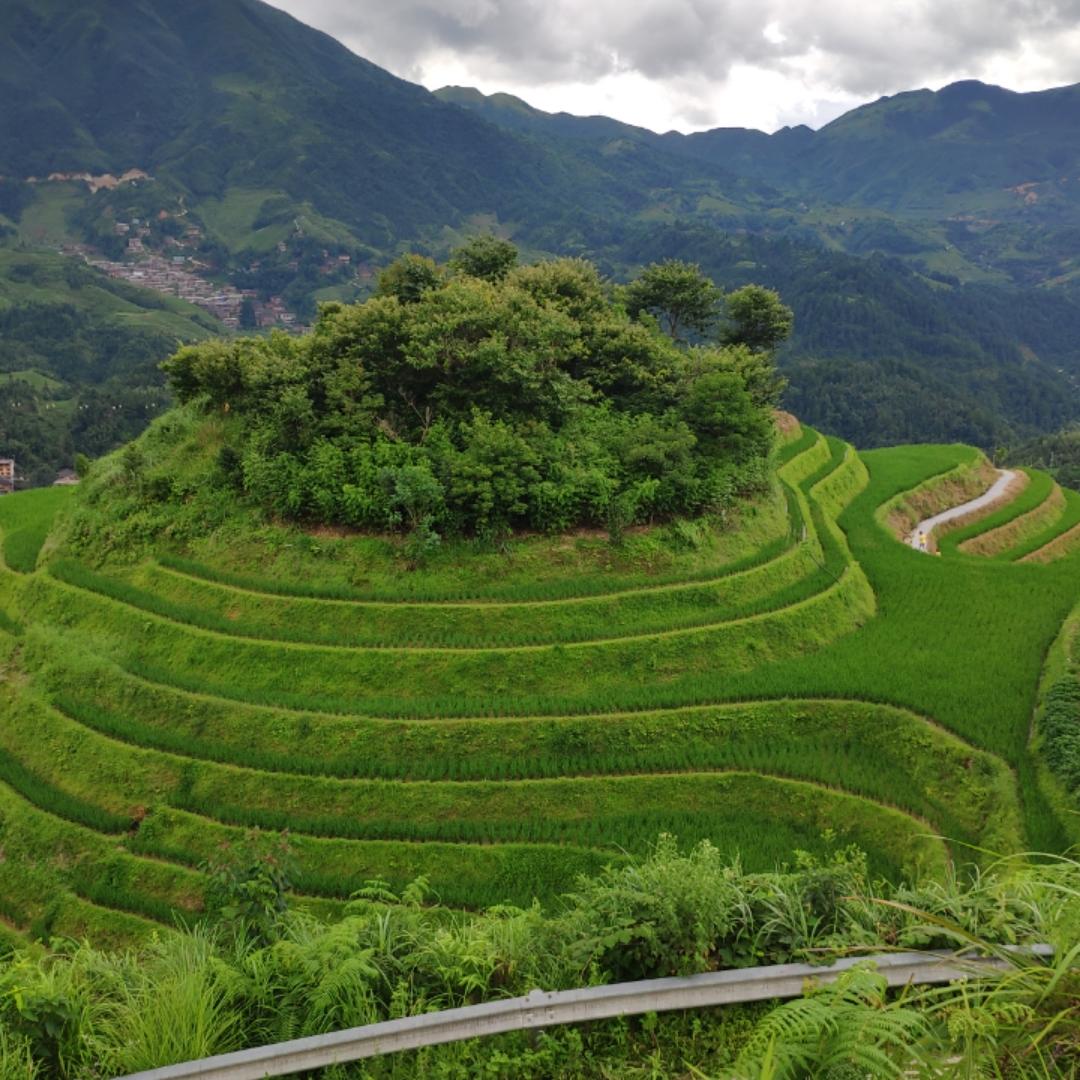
178,1010
49,797
874,751
585,810
378,680
25,520
87,864
259,617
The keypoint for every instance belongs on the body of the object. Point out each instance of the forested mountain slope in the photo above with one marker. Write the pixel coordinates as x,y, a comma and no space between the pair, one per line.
78,359
926,242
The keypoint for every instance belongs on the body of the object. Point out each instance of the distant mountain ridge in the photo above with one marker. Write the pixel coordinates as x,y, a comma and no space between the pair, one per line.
930,241
865,155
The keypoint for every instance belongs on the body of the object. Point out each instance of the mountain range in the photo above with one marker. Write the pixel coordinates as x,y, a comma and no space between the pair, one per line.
928,241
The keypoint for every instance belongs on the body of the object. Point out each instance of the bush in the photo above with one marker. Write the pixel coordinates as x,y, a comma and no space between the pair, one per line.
480,401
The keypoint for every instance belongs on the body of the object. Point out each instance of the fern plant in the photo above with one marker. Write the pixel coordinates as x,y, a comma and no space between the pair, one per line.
846,1029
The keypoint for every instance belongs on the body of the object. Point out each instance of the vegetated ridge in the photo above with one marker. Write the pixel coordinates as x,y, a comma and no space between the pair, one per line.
923,240
472,693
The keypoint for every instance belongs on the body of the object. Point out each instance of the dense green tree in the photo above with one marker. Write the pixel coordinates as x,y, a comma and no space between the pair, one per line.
723,415
481,406
488,257
1059,454
408,278
678,295
757,318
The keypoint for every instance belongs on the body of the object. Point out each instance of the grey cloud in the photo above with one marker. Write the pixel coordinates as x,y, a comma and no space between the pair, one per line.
878,48
552,41
846,47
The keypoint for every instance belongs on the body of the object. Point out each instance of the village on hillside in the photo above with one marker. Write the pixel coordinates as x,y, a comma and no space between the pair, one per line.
178,274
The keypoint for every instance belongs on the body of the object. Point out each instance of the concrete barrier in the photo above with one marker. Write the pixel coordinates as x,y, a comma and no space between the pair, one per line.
541,1009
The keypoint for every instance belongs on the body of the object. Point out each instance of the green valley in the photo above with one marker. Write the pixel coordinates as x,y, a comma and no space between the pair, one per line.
452,552
79,355
334,645
924,241
499,745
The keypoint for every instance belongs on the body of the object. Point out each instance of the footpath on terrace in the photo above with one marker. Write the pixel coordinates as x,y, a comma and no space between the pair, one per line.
925,529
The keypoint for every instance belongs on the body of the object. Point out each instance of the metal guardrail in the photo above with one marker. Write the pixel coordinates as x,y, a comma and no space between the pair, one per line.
541,1009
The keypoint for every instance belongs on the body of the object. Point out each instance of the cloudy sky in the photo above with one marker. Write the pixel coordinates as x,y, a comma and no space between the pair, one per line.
692,64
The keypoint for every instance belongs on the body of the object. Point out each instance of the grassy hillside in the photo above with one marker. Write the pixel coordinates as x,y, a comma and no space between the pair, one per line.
79,356
927,242
505,719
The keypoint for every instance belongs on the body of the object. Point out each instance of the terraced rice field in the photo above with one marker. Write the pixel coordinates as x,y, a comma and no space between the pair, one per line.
824,686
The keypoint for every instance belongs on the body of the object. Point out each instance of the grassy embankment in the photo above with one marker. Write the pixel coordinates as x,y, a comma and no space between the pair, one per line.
25,521
500,733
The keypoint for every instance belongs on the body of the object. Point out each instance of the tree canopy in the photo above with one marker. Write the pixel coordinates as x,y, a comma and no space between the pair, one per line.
681,298
481,402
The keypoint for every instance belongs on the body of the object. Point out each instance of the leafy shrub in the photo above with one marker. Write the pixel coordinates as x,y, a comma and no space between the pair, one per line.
483,400
247,888
1061,731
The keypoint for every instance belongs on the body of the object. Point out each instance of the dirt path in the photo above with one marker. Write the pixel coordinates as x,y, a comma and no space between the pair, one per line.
920,538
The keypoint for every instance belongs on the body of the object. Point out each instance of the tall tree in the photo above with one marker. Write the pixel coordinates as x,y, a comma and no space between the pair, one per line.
487,257
248,319
408,278
678,295
757,318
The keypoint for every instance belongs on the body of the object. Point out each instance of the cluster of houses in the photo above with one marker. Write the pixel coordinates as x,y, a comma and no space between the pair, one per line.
176,275
64,478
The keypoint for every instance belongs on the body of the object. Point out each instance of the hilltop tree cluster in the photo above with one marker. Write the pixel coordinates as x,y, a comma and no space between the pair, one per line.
483,397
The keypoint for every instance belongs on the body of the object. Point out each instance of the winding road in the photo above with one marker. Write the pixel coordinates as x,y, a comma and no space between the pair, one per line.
926,528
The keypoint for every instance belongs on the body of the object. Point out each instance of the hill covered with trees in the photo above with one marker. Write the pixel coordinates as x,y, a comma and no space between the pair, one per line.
335,649
79,356
508,727
922,240
483,398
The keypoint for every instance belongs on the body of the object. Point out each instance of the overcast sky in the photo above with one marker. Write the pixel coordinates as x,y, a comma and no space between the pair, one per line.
693,64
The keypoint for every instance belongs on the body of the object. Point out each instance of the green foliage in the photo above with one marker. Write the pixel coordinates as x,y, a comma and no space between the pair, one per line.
43,1014
408,278
489,258
17,1058
676,293
79,1011
247,889
493,400
1060,727
172,1006
757,319
676,915
1059,454
846,1029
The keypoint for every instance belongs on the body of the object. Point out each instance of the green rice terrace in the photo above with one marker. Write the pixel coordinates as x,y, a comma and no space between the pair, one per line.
502,720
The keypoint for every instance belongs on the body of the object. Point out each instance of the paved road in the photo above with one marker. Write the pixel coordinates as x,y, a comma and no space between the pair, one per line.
920,538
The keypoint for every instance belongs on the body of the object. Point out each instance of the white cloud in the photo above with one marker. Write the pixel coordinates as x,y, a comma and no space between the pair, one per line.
705,63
